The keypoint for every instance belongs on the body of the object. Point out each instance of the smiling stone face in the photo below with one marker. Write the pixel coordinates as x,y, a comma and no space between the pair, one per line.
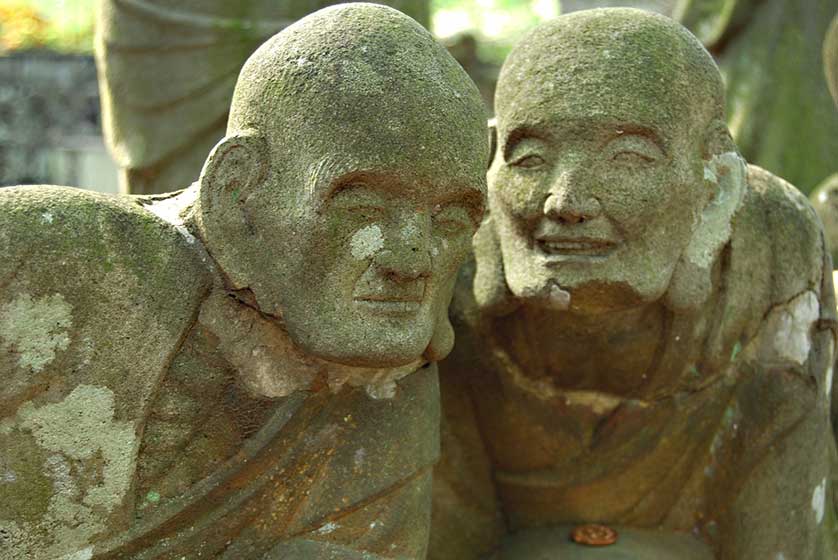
598,183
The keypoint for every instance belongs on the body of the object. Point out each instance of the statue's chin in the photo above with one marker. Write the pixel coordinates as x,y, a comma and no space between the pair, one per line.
591,298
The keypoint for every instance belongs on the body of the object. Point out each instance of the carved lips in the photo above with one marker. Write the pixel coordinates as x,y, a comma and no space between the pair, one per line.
393,299
558,248
559,243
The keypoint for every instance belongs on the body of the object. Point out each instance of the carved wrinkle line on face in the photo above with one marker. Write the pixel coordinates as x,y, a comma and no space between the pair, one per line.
366,242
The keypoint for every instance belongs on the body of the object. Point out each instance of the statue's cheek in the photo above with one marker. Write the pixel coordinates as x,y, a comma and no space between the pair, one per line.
518,194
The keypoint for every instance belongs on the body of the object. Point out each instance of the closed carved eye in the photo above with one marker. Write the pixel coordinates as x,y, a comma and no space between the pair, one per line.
359,202
452,220
530,161
527,153
629,156
633,149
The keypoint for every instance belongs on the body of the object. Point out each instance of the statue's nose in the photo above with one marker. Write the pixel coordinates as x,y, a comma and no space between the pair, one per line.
570,203
406,256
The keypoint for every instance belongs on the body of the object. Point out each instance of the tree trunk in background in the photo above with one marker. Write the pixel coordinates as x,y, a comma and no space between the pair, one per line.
778,106
167,69
830,59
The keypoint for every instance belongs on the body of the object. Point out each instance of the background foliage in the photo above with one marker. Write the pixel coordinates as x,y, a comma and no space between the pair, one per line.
67,25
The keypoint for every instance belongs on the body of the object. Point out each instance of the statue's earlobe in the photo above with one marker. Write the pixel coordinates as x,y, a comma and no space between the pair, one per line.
491,292
234,170
726,176
442,340
493,141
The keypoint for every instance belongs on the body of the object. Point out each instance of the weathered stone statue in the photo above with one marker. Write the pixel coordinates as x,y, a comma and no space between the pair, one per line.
160,130
644,339
245,369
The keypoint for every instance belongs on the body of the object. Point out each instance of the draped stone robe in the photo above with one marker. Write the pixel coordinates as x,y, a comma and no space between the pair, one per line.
125,431
726,451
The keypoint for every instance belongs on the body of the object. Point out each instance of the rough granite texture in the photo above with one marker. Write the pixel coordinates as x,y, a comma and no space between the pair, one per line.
245,368
645,336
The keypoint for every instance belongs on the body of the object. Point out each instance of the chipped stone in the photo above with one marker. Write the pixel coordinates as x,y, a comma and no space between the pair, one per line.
819,501
788,330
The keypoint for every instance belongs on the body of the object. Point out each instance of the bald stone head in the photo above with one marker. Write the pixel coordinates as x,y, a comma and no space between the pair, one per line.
608,123
349,184
619,63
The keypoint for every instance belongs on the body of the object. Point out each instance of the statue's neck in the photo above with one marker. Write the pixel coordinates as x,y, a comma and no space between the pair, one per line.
612,352
270,365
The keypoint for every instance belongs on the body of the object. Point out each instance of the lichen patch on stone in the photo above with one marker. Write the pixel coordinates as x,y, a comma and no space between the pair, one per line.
79,427
90,463
366,242
35,329
85,554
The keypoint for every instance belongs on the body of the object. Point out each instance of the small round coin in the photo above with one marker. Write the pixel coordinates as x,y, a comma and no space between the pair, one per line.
593,534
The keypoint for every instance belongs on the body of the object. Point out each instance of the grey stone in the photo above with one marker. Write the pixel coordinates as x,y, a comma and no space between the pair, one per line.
246,368
646,333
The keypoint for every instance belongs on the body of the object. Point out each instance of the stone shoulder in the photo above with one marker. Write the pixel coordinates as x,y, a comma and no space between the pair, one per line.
780,219
126,279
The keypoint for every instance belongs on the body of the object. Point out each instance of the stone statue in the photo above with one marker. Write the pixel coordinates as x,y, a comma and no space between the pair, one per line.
160,130
644,338
245,369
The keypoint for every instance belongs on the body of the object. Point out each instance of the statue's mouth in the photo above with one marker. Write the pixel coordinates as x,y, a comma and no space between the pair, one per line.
575,246
392,305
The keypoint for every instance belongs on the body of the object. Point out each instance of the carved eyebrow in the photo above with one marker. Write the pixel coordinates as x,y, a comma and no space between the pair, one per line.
469,197
330,181
631,129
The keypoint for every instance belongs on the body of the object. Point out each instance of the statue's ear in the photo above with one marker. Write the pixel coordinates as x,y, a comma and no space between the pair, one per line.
233,172
491,293
493,140
726,176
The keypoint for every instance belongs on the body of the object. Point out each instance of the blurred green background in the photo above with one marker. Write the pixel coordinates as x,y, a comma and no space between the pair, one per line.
67,25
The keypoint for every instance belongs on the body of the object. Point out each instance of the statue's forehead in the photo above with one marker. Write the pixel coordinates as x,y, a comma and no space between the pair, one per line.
598,100
400,176
390,138
602,79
